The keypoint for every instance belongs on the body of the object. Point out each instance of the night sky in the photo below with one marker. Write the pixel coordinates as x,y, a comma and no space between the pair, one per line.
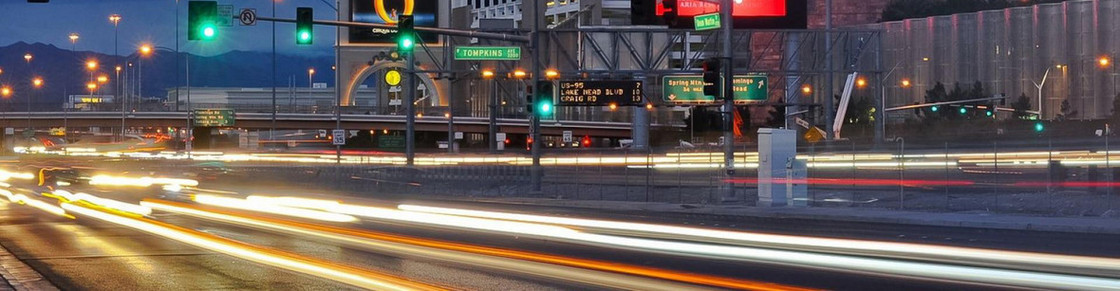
153,21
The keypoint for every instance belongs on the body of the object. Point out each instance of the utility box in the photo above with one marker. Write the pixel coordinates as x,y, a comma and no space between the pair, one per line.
797,186
777,155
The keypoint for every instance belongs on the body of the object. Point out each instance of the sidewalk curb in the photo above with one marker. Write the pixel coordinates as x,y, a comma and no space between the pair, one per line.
977,221
21,276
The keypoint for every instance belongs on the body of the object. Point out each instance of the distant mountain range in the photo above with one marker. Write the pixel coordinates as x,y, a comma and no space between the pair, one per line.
64,71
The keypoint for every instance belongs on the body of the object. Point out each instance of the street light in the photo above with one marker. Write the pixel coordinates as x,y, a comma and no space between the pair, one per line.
487,74
520,74
37,83
1104,61
806,89
5,91
551,74
27,57
861,82
310,85
905,83
91,65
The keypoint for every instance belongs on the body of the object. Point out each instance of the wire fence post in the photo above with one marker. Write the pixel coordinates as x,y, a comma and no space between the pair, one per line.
995,174
946,162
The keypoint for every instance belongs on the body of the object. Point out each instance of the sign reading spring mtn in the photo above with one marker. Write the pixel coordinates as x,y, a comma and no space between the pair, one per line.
425,13
689,89
213,117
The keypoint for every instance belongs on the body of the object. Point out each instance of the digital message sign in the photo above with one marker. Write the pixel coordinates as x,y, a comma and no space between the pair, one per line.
600,93
425,14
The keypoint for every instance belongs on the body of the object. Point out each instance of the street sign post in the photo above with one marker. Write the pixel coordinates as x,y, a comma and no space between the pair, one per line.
214,117
225,15
487,53
338,137
689,89
248,17
707,21
600,93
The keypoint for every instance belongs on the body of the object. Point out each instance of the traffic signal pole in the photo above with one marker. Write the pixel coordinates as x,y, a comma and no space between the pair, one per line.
728,101
535,119
410,110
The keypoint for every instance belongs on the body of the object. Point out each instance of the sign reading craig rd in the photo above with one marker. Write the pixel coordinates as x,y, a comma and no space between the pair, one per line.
213,117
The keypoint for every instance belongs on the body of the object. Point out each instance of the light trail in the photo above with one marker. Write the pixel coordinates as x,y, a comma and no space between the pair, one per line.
349,275
600,273
1028,279
1094,266
257,205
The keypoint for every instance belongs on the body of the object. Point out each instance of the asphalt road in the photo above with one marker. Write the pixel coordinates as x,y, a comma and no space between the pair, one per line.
89,254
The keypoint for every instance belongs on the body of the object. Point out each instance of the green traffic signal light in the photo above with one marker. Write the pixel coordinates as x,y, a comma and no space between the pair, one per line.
202,18
405,34
545,107
933,108
208,32
304,22
544,99
964,110
1038,127
988,113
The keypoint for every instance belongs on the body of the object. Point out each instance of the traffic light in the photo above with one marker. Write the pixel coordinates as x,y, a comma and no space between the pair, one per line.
711,77
406,36
933,108
304,30
586,141
544,98
202,20
671,14
964,110
989,113
1038,127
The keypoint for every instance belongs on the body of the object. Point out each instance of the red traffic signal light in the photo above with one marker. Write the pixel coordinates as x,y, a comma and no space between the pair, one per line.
711,77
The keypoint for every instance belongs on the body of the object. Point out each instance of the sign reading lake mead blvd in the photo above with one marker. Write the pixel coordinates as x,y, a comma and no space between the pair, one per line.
213,117
689,89
487,53
600,93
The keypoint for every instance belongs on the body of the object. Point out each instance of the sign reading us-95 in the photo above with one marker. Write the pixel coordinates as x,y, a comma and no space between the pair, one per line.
600,93
689,89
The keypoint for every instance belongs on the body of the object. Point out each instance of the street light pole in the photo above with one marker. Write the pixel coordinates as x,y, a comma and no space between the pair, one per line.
1039,85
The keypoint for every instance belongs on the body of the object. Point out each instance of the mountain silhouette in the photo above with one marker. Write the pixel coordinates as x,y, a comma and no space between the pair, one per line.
64,71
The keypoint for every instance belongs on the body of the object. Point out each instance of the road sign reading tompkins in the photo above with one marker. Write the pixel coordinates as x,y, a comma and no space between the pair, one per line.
600,93
213,117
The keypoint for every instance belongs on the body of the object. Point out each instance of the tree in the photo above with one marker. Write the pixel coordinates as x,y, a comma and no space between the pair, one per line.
1067,111
1021,106
1115,117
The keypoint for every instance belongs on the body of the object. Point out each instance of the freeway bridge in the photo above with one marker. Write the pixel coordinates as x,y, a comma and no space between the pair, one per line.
108,120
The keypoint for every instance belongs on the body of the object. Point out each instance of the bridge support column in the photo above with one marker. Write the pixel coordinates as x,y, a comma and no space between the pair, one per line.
640,128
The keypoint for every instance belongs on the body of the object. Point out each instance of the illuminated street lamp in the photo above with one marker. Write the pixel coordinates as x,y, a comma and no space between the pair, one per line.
905,83
520,74
487,74
38,82
27,57
91,65
1104,62
806,89
5,91
91,86
861,82
102,79
551,74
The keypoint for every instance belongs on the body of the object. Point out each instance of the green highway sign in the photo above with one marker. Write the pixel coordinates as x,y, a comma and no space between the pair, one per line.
213,117
488,53
707,21
689,89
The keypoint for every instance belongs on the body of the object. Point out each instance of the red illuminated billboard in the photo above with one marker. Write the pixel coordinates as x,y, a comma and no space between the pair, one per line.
746,14
739,8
